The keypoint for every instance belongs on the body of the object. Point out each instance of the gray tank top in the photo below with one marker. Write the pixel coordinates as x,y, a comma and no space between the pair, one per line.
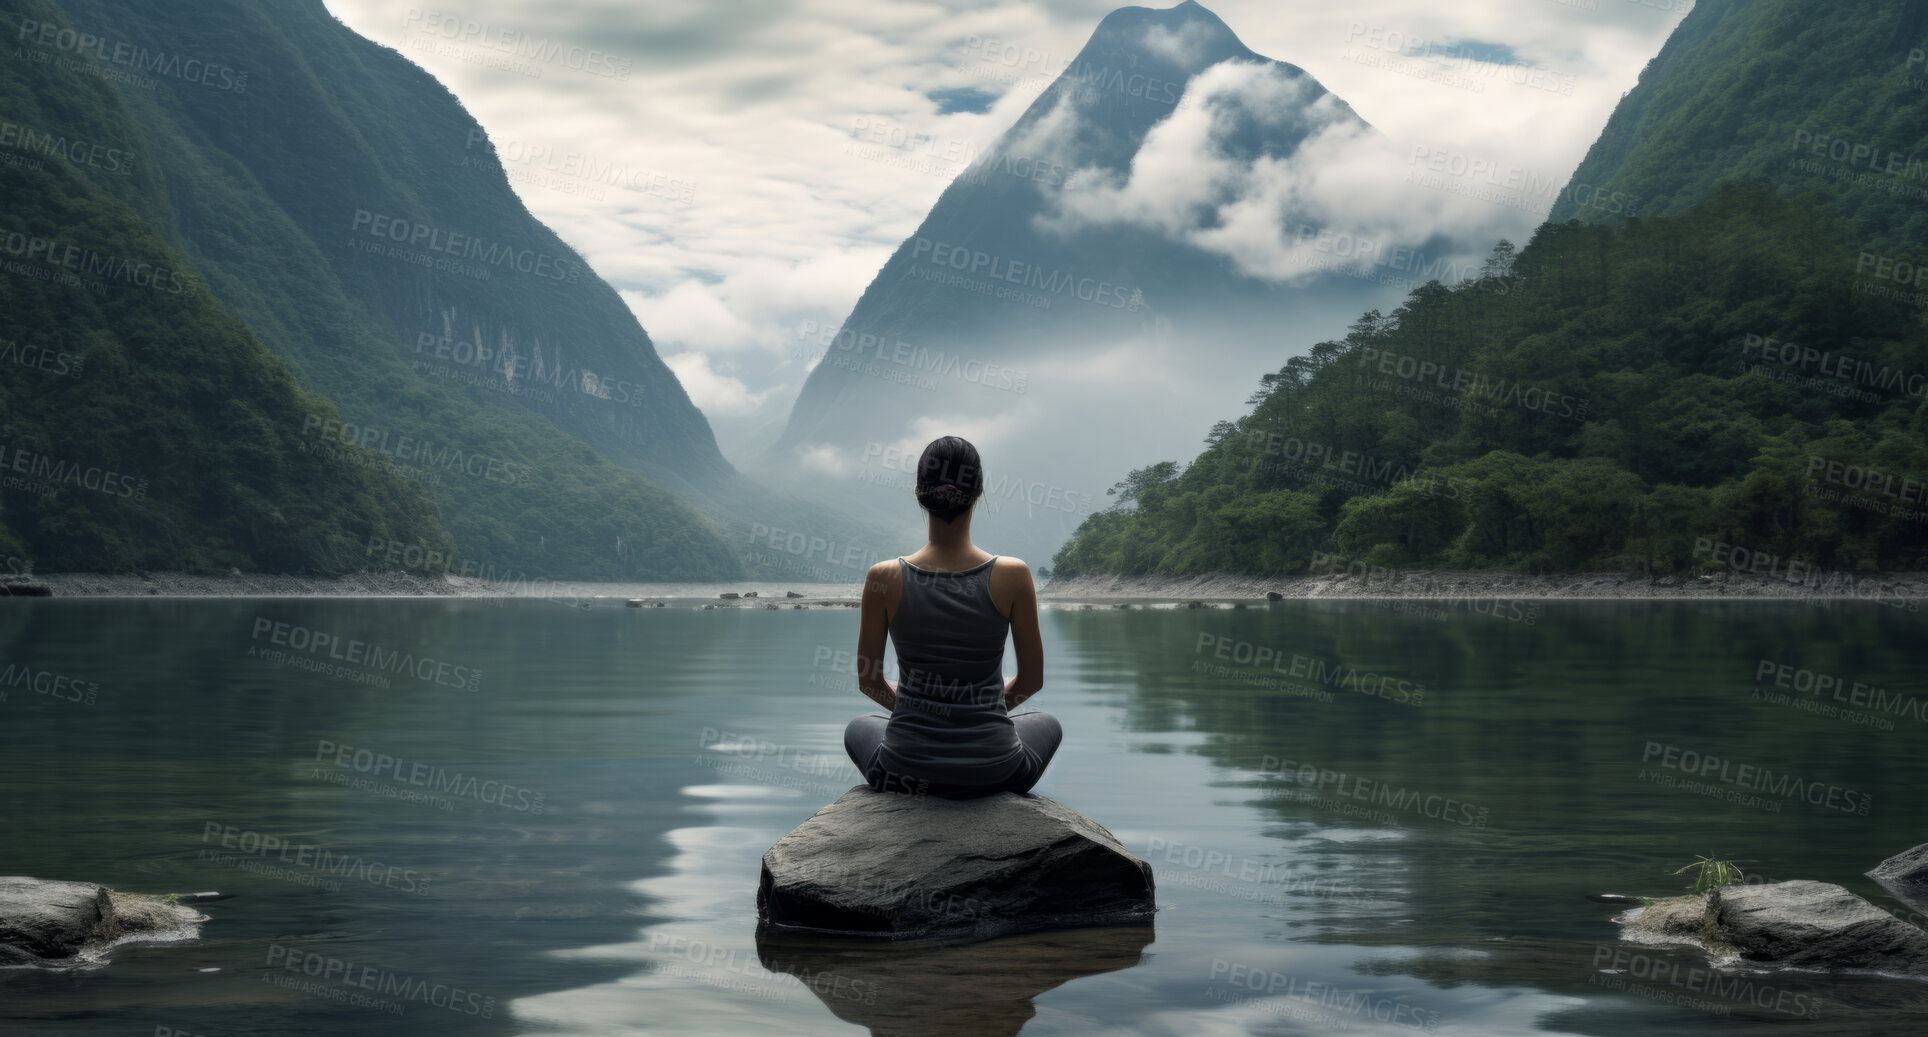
950,725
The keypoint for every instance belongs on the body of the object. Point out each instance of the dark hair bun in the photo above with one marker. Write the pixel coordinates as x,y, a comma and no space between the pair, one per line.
949,479
945,501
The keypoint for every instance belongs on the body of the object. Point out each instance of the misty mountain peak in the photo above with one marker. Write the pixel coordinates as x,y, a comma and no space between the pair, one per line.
1186,39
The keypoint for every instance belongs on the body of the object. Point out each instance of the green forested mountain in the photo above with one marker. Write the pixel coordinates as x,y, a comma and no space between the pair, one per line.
142,425
1801,95
1607,399
337,201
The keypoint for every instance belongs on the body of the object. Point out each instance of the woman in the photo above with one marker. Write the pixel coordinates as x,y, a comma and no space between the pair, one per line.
950,731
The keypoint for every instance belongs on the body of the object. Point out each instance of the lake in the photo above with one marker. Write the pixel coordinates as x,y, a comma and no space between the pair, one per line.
535,818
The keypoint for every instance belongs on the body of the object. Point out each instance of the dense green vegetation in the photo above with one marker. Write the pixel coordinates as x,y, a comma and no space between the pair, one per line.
1799,94
141,425
251,192
1605,400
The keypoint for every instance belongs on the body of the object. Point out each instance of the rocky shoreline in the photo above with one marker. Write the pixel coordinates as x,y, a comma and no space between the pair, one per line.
1903,590
250,585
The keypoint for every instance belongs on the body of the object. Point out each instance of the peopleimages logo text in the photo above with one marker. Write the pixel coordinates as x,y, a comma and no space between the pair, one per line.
320,643
134,56
1760,779
979,263
428,776
416,234
410,450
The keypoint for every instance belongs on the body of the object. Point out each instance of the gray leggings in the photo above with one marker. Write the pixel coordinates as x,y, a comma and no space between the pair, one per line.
1038,732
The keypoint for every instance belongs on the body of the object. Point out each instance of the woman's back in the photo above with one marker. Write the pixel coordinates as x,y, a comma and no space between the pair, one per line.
950,724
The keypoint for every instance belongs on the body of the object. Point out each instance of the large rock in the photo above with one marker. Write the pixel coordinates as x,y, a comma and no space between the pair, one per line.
1800,924
1907,870
896,866
46,922
1815,925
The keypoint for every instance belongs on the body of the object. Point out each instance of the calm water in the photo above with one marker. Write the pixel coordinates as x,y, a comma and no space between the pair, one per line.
551,822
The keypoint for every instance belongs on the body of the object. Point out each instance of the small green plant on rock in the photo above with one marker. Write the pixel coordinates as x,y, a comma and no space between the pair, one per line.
1713,873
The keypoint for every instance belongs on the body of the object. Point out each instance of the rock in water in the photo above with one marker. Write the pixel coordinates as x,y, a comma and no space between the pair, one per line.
1815,925
1907,869
61,923
896,866
51,919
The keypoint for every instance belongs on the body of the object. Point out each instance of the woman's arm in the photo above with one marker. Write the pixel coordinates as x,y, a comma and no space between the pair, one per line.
1024,635
873,624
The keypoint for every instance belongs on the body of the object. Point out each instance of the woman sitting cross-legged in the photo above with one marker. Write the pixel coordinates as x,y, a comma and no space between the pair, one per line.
948,608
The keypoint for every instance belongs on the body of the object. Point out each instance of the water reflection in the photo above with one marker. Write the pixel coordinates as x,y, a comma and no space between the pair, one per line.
673,746
935,990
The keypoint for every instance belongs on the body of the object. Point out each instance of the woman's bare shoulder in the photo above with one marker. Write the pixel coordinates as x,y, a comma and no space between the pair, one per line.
883,575
1010,569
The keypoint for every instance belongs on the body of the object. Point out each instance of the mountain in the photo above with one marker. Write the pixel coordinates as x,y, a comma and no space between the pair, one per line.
1700,392
344,205
1732,381
142,426
1099,237
1790,93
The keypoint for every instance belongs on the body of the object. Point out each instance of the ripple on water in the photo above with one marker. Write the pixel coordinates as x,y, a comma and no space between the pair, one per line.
738,792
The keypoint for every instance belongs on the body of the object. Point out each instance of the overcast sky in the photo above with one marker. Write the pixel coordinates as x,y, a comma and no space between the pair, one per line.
769,154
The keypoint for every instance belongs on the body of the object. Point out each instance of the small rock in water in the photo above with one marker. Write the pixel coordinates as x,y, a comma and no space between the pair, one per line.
895,866
1906,869
749,594
791,594
66,923
1274,596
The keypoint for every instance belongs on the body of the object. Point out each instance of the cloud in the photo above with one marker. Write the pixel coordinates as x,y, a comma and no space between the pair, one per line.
822,459
767,311
1346,198
1185,48
714,392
